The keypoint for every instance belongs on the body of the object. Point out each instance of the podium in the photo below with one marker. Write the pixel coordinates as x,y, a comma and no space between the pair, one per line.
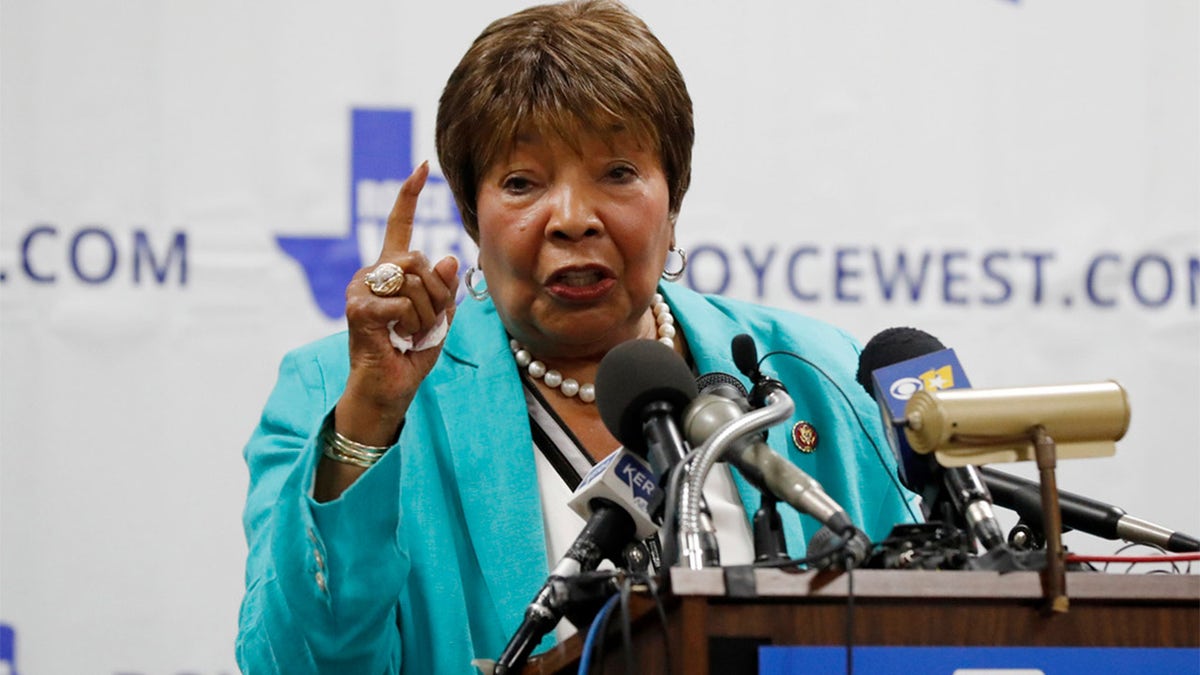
710,630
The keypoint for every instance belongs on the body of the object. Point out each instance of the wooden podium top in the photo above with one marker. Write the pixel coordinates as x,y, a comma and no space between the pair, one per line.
894,607
930,585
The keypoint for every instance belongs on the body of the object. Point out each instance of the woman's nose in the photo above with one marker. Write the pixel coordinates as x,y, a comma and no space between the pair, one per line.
573,214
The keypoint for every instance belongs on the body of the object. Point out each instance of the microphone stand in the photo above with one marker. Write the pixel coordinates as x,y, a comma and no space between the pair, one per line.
769,543
1054,575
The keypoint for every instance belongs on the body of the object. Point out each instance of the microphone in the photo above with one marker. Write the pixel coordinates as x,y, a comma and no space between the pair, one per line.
895,365
971,497
721,402
642,389
853,546
1080,414
616,497
1082,513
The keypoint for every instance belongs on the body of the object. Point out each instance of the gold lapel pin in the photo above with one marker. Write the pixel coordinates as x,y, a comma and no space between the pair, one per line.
804,436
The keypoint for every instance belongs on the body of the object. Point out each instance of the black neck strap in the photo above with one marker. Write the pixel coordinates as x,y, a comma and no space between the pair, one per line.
554,438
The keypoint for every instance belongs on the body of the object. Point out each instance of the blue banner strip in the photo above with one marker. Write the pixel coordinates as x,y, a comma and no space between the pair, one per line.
774,660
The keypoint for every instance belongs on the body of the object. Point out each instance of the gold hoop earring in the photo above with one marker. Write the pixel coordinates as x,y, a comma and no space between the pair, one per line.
479,295
676,275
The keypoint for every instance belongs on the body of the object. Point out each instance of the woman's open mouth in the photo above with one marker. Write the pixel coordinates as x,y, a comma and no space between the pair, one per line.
581,284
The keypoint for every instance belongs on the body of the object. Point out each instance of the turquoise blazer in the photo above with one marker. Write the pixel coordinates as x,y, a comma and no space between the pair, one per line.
431,557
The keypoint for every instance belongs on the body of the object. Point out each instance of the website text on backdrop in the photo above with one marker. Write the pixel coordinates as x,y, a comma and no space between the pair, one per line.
410,476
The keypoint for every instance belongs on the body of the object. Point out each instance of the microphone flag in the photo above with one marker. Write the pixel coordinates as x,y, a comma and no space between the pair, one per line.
895,385
624,479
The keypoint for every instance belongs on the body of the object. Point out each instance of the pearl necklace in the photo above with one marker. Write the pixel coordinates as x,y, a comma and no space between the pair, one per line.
570,387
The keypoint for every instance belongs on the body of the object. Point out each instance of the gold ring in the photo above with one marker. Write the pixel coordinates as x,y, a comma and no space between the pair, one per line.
385,280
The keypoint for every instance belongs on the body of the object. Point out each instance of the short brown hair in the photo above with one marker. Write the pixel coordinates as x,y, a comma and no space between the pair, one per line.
583,65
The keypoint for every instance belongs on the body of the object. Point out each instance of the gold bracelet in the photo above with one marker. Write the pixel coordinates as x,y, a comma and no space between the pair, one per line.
341,449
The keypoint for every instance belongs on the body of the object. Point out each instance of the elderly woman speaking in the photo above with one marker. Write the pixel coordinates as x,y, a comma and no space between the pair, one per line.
409,478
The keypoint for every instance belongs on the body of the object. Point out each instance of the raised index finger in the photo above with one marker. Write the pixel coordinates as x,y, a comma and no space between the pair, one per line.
398,234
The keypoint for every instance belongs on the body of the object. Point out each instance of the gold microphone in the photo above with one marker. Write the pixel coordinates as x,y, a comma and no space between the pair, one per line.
982,426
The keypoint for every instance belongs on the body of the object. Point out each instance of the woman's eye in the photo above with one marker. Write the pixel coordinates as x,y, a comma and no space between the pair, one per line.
622,173
517,184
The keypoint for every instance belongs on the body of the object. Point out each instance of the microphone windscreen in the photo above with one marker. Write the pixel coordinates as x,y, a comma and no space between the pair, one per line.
711,381
745,353
634,375
825,543
821,543
890,347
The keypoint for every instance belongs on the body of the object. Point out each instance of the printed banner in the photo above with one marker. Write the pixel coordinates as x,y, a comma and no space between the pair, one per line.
185,189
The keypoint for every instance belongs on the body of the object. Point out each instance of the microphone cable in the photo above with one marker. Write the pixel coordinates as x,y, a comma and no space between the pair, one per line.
662,623
842,547
594,642
1119,557
626,626
861,425
891,479
589,643
849,619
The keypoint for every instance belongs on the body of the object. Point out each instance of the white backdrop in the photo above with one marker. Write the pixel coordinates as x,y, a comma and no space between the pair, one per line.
1040,161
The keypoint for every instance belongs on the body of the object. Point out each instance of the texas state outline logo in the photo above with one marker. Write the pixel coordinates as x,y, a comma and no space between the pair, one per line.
381,158
8,650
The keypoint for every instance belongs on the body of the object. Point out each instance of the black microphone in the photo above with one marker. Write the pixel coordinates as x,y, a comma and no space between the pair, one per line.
745,357
1082,513
605,534
1019,494
921,473
891,346
642,389
615,497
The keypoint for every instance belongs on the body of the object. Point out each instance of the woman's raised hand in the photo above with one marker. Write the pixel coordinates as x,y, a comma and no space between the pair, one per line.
383,380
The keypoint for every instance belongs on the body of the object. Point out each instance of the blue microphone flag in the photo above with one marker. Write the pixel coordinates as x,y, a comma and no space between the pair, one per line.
897,383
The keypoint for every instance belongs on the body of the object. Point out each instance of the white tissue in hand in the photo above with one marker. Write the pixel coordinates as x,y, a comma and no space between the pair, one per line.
432,338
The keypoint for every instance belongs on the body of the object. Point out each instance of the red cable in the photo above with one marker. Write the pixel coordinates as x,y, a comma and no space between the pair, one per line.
1165,558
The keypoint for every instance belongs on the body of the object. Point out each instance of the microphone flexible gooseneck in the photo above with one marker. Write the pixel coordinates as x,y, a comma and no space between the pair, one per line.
778,408
720,405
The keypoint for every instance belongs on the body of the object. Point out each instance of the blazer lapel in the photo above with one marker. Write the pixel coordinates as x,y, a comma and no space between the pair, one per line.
492,452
